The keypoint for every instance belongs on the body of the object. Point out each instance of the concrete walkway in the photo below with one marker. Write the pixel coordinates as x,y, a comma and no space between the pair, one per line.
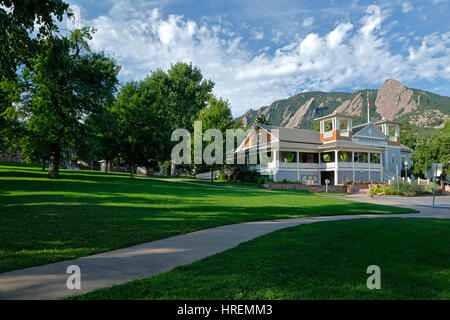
119,266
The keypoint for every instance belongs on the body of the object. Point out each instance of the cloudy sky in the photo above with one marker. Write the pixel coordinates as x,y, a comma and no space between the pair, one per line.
258,51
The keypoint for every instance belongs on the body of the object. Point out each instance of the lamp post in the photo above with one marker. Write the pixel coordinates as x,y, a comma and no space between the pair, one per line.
406,168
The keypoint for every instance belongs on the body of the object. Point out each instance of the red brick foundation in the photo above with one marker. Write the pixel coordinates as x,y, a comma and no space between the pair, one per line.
314,189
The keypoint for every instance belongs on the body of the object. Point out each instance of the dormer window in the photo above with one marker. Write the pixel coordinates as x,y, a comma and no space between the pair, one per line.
391,129
336,126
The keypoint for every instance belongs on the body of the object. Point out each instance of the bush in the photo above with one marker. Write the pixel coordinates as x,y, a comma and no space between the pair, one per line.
347,182
262,179
239,173
164,167
410,189
385,190
428,188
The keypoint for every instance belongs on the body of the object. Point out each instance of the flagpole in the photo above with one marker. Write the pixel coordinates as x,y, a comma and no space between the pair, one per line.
368,108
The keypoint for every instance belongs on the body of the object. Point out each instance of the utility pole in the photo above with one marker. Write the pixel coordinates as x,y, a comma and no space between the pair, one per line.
434,178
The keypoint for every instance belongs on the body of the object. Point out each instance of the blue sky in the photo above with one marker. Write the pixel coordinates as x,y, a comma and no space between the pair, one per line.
260,51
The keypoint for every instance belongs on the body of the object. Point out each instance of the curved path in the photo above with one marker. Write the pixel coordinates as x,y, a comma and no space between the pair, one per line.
118,266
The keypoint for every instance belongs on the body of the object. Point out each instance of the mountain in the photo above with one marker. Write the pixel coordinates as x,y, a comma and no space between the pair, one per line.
392,101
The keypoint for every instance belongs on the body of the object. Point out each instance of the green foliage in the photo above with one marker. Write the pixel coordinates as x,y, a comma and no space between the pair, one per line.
216,115
62,86
143,123
326,157
261,119
164,167
17,46
373,158
344,156
290,157
316,125
433,149
188,94
401,188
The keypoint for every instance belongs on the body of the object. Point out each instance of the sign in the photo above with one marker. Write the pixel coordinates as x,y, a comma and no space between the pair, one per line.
436,168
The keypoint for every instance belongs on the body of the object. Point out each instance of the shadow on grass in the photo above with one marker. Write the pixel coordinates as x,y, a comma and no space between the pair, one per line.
41,216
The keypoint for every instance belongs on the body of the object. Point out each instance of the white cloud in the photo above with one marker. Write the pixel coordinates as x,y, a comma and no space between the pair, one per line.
277,38
258,34
308,22
351,55
406,7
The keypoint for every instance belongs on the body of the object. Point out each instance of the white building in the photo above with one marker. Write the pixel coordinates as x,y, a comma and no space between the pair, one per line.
338,152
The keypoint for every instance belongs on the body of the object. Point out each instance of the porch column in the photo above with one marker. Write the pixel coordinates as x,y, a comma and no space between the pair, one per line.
369,164
336,167
353,165
320,172
298,166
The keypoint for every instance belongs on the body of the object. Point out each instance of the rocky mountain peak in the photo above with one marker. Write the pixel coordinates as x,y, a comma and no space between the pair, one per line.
394,99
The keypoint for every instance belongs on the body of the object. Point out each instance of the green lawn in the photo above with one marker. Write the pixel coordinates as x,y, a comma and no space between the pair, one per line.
87,212
325,260
222,183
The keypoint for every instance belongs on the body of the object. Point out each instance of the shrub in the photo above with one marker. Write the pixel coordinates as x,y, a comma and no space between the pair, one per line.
347,182
385,190
239,173
262,179
428,188
290,157
326,158
410,189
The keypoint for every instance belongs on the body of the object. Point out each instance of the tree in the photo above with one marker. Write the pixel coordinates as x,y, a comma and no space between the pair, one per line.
261,119
103,143
216,115
18,19
188,94
433,149
62,86
143,123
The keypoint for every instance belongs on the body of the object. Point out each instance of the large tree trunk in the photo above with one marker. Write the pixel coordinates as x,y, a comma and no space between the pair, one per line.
132,170
106,166
43,164
173,169
53,163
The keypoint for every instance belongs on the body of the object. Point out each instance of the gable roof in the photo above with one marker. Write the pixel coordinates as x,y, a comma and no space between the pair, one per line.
357,130
293,135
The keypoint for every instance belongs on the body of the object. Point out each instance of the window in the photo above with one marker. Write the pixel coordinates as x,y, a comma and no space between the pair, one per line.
306,157
392,130
327,126
403,161
361,157
393,159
